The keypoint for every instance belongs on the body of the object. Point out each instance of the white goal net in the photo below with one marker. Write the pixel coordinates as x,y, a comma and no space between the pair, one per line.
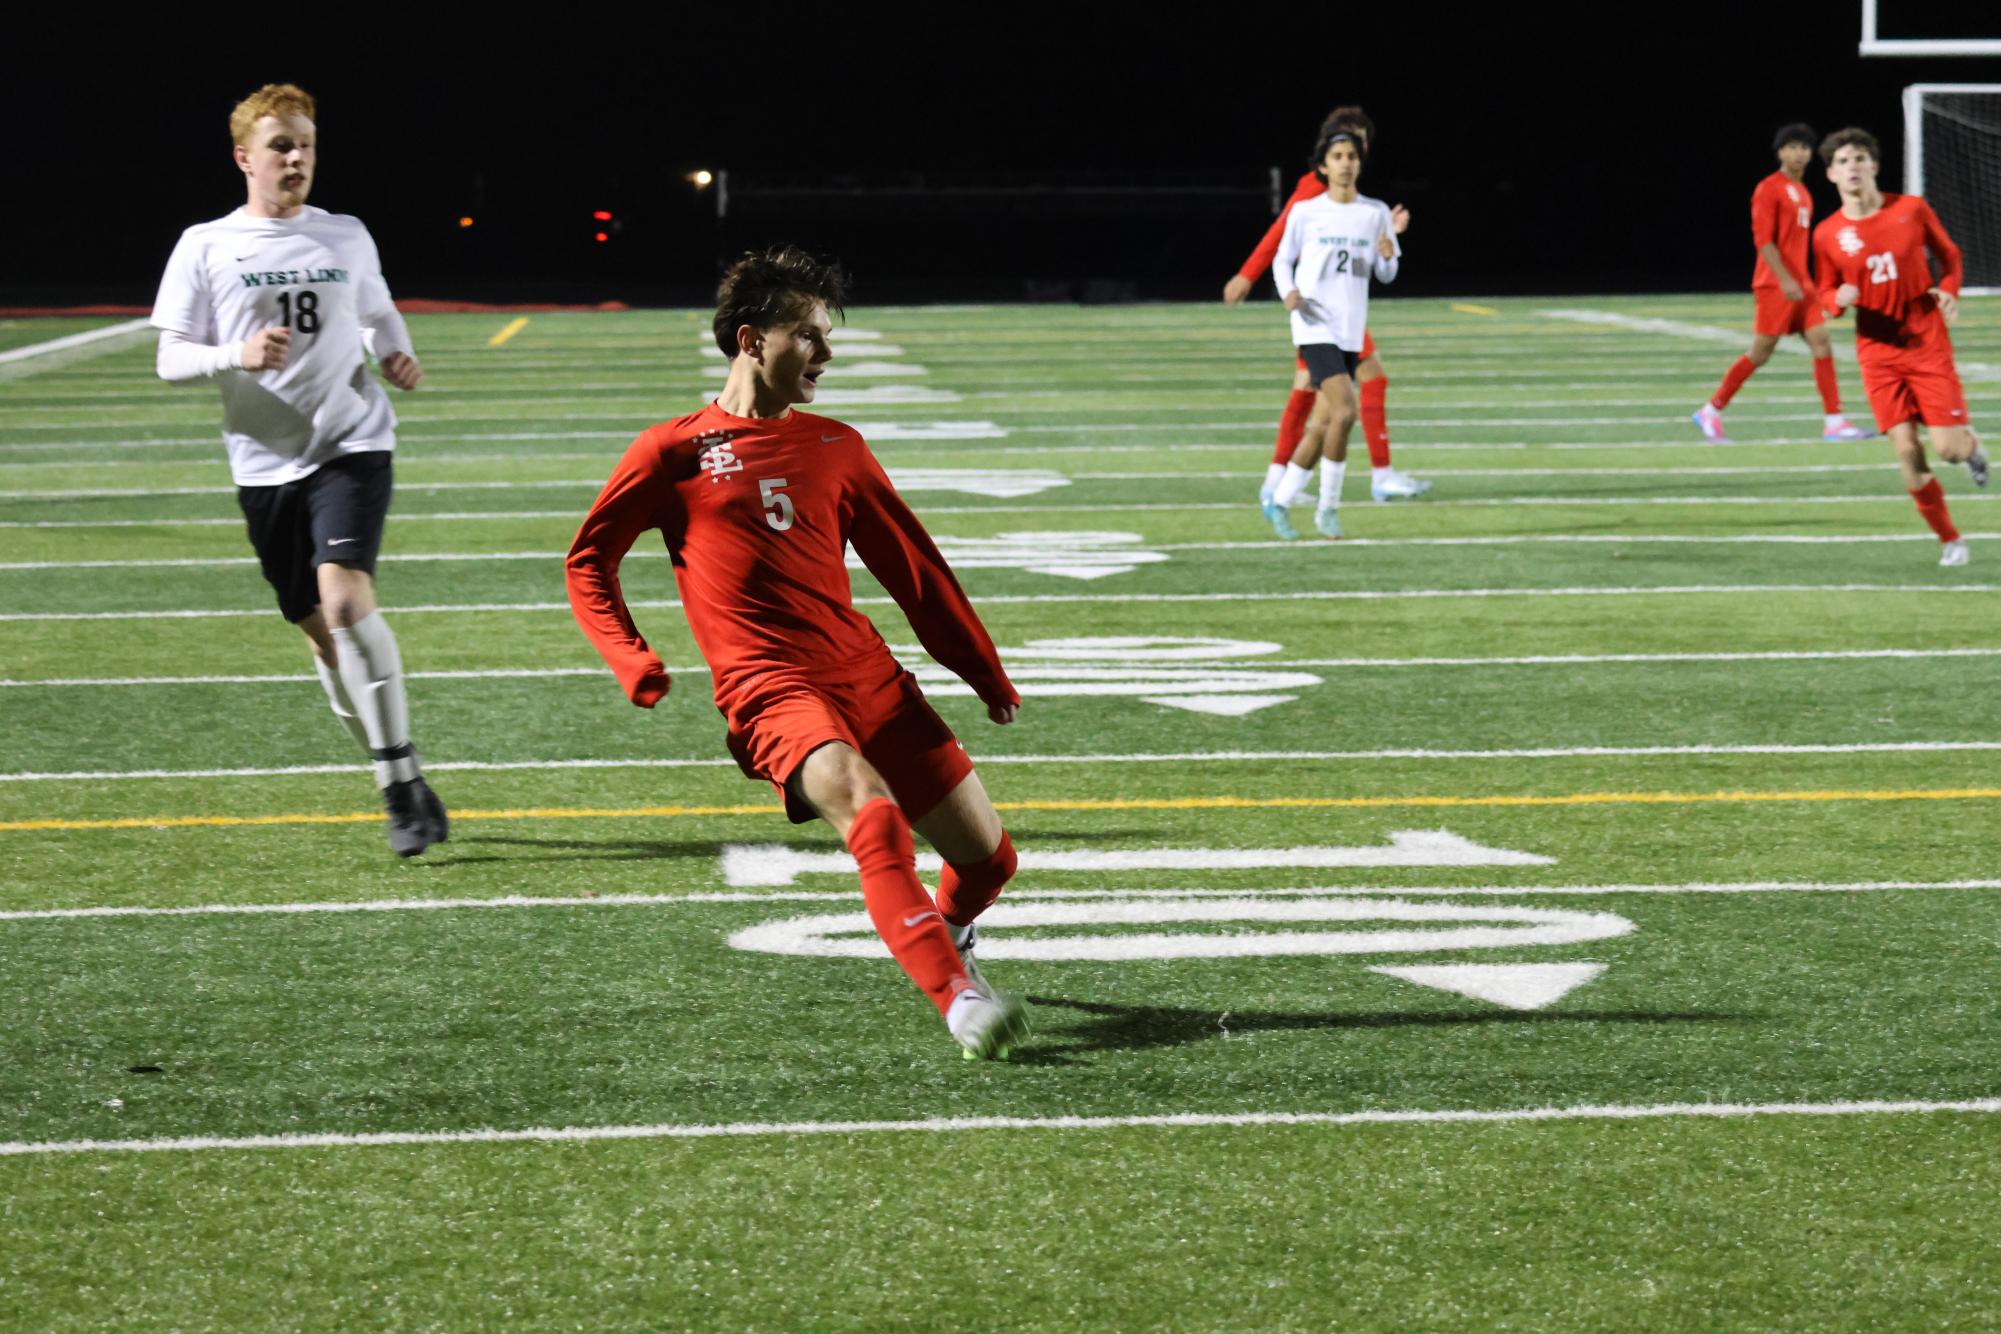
1952,156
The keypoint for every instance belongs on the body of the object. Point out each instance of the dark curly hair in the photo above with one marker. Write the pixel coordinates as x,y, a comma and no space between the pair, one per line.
773,287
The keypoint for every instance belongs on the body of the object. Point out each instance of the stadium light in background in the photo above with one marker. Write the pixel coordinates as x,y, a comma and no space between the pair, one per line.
464,223
702,179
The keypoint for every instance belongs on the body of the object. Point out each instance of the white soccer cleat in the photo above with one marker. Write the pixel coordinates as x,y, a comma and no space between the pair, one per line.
1838,428
1397,486
986,1026
1711,422
964,939
1955,553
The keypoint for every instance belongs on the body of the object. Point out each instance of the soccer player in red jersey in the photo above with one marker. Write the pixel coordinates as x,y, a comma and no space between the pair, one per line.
1781,219
1373,383
757,504
1872,257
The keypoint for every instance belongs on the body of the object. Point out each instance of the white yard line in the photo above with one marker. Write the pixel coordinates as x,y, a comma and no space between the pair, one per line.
1056,599
1177,757
989,1124
1513,660
1500,540
73,340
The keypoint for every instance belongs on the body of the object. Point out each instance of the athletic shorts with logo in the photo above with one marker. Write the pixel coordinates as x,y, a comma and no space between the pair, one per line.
1915,381
1778,317
333,514
777,718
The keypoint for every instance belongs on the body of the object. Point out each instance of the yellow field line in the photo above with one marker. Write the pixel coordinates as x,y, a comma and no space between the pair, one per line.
1466,309
512,328
1110,804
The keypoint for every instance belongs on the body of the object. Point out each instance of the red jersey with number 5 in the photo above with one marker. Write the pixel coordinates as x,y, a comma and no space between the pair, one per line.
757,515
1884,256
1781,215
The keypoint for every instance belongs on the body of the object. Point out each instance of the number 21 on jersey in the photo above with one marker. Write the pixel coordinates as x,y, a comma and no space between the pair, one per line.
1882,268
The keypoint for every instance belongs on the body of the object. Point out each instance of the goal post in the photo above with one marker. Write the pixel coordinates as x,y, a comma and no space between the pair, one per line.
1952,156
1873,45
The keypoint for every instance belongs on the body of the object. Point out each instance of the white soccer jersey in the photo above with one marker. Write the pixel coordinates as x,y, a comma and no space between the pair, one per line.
319,275
1328,253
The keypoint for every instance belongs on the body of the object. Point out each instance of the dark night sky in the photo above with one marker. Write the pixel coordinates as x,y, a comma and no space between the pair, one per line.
1538,149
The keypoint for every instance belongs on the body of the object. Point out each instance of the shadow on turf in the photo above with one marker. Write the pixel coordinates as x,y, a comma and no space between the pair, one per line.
653,849
1136,1027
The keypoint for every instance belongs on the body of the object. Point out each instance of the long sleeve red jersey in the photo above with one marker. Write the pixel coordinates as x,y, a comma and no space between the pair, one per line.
1884,256
757,515
1259,264
1781,215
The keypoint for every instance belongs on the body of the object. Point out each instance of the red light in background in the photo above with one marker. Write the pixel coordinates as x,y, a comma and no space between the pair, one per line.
603,237
602,216
465,222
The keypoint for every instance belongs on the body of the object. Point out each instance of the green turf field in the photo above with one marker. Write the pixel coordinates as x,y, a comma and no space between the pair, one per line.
1568,902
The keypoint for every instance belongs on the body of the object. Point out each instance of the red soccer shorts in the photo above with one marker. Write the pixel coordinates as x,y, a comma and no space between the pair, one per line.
1778,317
1368,350
778,718
1920,385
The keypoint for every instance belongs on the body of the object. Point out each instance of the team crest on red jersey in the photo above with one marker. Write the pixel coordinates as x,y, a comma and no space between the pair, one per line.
717,458
1849,241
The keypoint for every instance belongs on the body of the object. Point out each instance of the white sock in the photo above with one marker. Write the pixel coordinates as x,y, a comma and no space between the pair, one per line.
372,670
1291,485
343,707
1273,473
1834,419
1381,474
1331,476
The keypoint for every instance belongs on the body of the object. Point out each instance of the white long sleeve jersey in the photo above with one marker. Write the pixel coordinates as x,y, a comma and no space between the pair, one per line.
317,274
1328,254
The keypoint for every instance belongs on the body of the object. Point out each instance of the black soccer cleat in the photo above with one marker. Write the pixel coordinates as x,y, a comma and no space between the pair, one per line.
434,810
410,826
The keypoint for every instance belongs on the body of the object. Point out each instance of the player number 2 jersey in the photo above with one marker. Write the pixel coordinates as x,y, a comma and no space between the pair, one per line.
1328,254
317,274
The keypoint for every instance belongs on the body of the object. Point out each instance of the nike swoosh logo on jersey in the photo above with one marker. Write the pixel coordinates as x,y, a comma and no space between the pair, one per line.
337,541
829,439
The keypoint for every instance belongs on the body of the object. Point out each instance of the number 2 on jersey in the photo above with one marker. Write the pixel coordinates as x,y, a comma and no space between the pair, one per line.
1882,268
307,318
777,505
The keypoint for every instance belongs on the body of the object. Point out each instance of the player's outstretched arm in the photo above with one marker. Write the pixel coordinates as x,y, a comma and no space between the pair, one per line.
627,507
383,329
1260,258
903,558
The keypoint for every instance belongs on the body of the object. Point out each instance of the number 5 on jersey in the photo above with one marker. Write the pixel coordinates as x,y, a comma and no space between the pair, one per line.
777,505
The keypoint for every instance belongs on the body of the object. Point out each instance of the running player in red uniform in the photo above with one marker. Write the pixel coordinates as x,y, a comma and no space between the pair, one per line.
757,504
1871,256
1373,382
1781,218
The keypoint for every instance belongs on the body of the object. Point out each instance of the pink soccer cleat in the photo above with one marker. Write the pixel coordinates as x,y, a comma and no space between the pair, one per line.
1840,428
1711,422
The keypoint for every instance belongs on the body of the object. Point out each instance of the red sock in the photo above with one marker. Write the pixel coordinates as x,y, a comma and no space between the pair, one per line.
1931,504
1375,424
1733,380
1292,424
904,915
1830,388
969,889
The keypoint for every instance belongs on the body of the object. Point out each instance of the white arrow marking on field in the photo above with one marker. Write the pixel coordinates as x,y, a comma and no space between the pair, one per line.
960,430
851,935
1068,555
845,369
997,482
1223,706
1519,986
776,864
